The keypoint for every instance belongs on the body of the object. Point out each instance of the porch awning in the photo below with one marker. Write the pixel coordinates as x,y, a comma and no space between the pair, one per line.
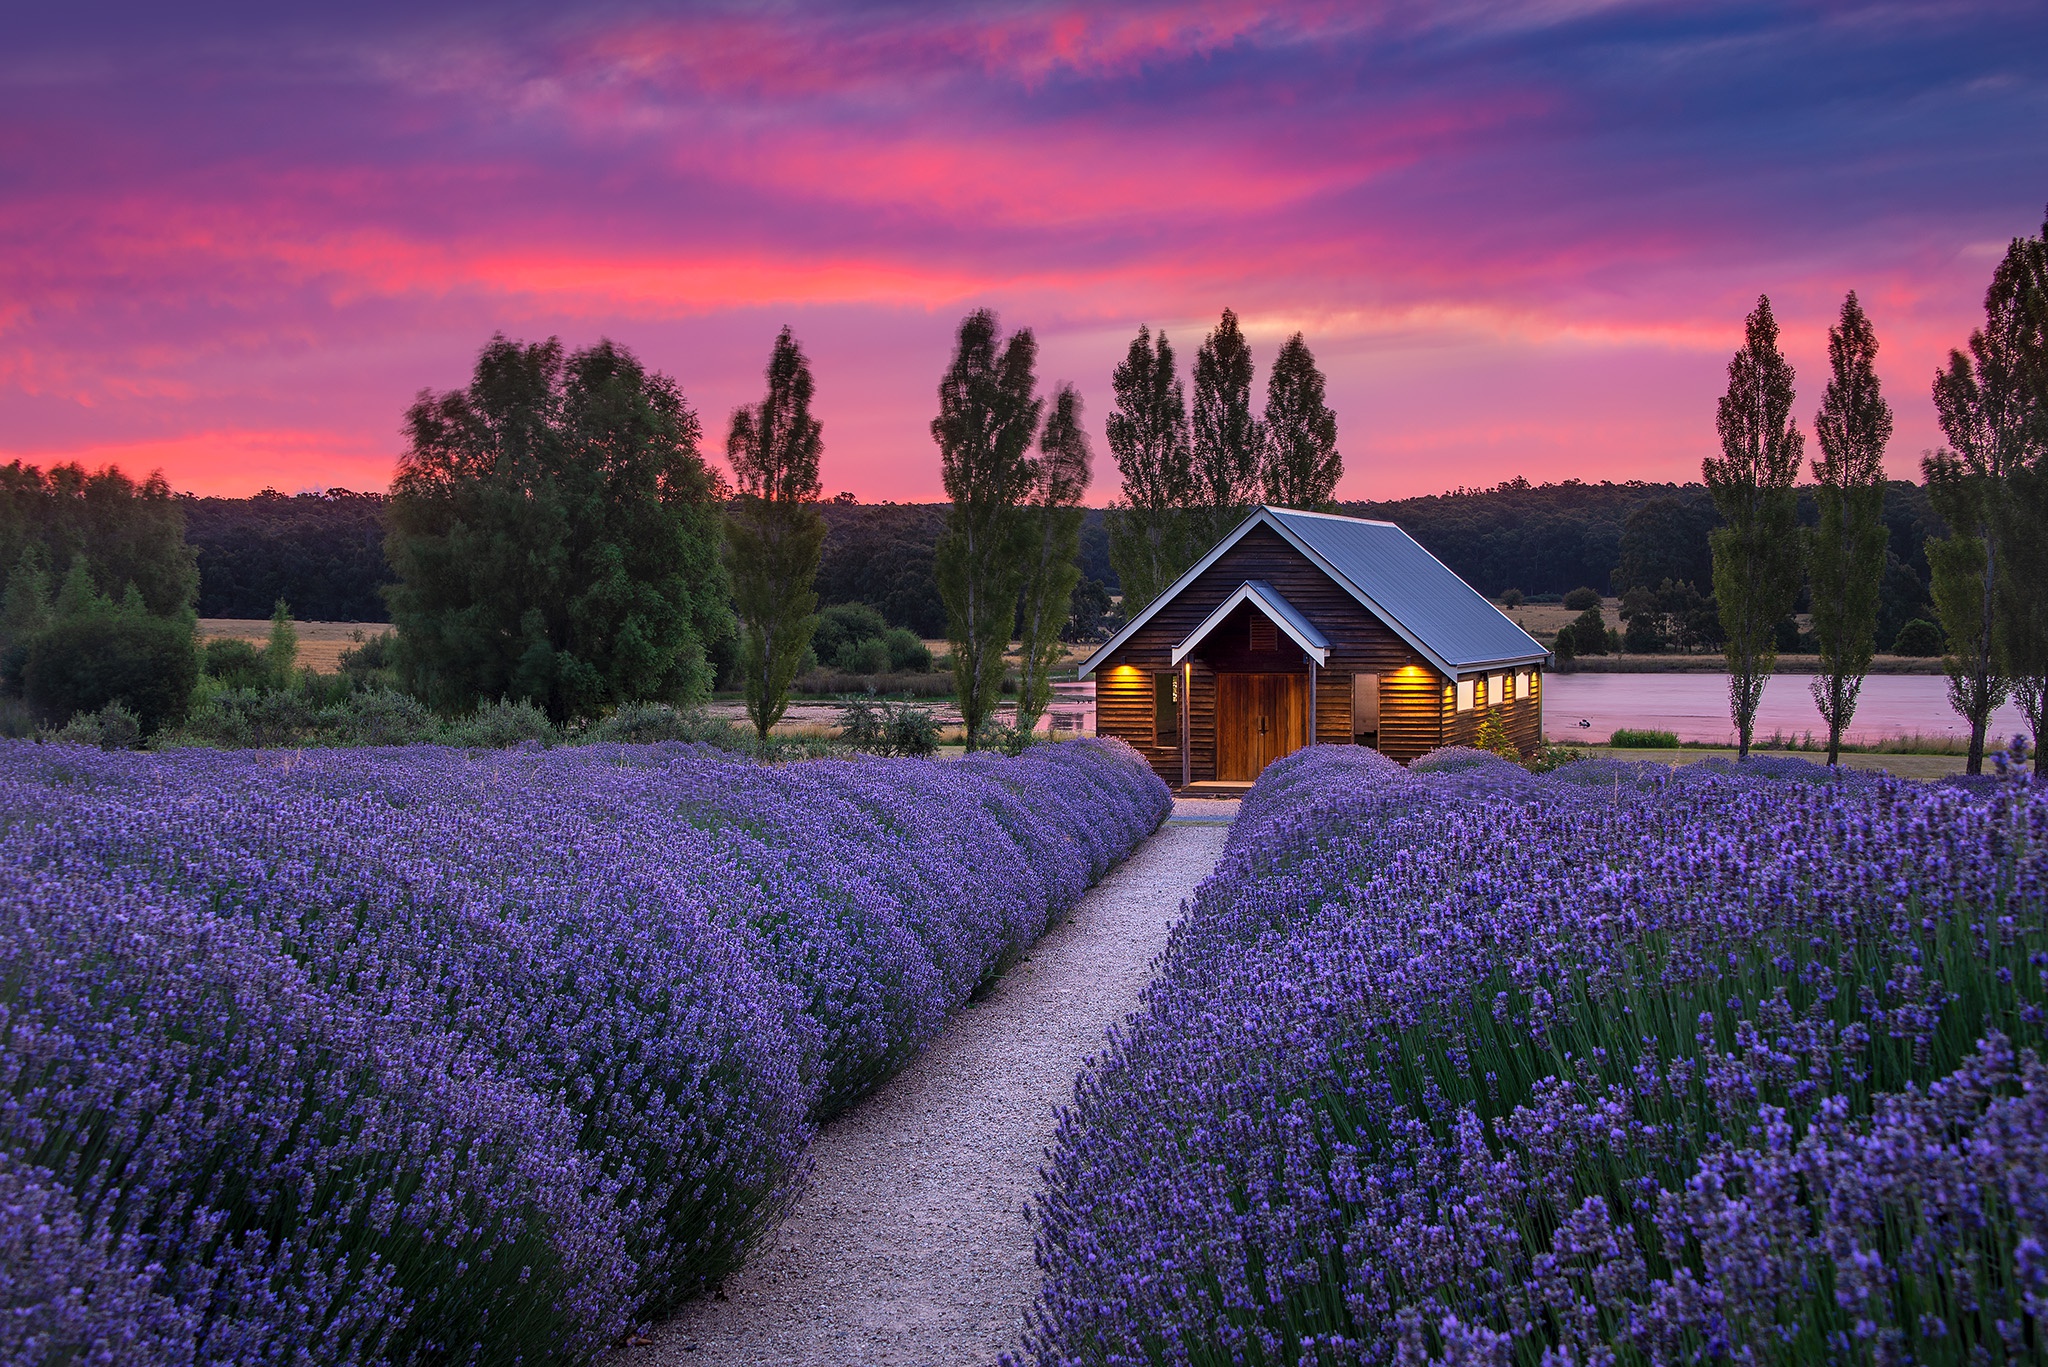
1268,600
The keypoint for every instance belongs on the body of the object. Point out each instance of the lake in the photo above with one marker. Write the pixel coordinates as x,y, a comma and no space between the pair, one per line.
1696,707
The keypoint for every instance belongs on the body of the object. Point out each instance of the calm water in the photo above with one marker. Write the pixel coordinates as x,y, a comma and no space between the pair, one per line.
1696,707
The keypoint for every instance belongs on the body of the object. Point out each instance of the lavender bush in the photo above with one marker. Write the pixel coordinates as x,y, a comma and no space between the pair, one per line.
422,1054
1615,1065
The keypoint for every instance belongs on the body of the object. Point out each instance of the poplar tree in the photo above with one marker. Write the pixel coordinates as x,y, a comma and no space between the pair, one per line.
1053,549
774,532
1229,441
281,652
988,416
1150,537
1853,427
1302,465
2022,621
1990,414
1756,555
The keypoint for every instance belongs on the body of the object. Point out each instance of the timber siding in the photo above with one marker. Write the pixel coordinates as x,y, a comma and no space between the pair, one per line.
1418,710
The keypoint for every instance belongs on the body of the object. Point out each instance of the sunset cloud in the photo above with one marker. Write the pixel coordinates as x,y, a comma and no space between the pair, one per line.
1521,238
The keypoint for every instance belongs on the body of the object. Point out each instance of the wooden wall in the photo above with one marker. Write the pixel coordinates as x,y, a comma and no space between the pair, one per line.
1412,714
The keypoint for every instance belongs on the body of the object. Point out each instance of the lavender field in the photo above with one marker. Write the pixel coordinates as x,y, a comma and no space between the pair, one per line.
432,1055
1618,1065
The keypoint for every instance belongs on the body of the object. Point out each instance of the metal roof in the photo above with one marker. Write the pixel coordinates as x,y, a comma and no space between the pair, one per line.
1419,597
1283,613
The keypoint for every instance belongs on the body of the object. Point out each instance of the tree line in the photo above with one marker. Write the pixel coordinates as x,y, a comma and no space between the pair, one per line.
1989,486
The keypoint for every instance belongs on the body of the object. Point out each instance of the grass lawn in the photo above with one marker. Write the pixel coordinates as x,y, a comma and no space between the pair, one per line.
1903,766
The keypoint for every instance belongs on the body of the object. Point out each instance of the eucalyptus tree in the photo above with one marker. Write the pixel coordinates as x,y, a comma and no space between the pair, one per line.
988,416
1757,552
774,531
1229,440
1302,464
1151,539
1846,552
1052,549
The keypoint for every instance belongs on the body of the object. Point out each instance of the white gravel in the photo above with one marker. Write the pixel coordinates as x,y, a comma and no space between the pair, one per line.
911,1245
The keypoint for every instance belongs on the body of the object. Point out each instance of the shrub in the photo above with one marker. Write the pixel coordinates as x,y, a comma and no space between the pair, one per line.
1579,599
235,663
907,654
82,663
368,662
262,718
1562,649
1632,738
1511,599
1589,633
1918,638
431,1056
870,656
113,727
1494,738
845,624
496,725
1620,1064
381,716
884,726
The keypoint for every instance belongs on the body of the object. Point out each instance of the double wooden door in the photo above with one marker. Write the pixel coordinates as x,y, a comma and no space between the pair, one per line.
1259,718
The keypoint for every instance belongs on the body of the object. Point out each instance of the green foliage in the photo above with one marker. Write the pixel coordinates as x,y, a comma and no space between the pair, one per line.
2022,618
500,725
281,652
1919,638
1630,738
1493,736
884,726
108,654
369,664
235,664
1847,551
774,533
907,654
113,727
843,626
1961,597
1550,755
1588,633
1151,537
1227,440
1581,598
1511,599
1565,648
1302,464
1052,544
1090,614
988,416
556,537
126,535
1757,554
322,552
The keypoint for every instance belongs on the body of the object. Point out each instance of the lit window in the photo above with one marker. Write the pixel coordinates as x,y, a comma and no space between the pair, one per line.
1496,689
1165,711
1464,695
1521,685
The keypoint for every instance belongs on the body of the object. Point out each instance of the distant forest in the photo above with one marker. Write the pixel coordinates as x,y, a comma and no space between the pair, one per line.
323,553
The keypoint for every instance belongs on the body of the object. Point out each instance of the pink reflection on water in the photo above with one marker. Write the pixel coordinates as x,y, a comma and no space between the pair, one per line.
1695,706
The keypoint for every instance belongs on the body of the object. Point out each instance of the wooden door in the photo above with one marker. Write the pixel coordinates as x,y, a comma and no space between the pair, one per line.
1259,718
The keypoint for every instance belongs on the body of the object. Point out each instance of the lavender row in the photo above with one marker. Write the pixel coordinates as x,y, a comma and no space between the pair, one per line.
1461,1064
421,1054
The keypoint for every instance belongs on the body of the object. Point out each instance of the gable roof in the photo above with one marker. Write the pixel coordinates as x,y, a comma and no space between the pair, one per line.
1389,573
1282,613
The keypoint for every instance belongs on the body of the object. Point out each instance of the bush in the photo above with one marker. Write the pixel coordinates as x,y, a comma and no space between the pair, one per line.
1562,649
1589,633
1643,636
501,724
907,654
381,716
369,661
82,663
1579,599
1511,599
882,726
1629,738
865,657
1918,638
113,727
845,624
235,663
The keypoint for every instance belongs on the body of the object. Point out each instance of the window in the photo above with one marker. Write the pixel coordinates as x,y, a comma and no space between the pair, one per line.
1265,636
1464,695
1496,689
1521,685
1166,711
1365,709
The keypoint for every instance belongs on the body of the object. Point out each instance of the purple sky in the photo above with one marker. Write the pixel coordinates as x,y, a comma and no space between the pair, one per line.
1520,238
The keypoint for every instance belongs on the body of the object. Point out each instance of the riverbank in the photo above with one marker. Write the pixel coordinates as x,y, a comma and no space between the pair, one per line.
1924,767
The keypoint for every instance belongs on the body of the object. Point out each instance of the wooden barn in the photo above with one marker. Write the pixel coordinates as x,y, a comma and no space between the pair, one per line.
1305,629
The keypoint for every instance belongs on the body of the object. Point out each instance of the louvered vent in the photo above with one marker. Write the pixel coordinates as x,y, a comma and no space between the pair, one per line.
1265,636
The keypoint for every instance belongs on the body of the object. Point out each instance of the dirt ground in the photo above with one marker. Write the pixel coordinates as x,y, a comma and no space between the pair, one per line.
320,643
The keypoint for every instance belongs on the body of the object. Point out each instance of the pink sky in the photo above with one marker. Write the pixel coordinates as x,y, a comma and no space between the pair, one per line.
1520,240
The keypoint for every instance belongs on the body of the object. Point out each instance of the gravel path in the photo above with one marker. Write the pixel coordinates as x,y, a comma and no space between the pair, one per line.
911,1245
